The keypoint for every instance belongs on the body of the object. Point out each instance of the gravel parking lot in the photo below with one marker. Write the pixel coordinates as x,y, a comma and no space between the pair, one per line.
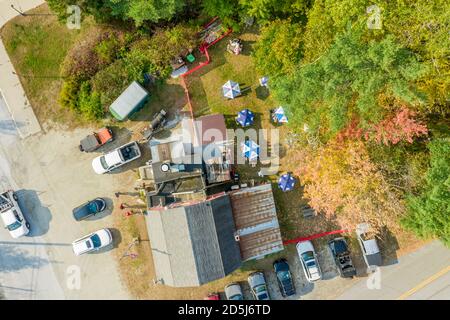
54,177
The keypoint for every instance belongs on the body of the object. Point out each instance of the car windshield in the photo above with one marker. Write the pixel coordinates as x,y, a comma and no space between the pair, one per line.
14,226
103,162
283,275
262,296
92,207
96,241
236,297
261,288
308,256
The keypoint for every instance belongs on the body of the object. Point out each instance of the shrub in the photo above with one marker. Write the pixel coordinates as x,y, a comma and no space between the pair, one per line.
89,102
68,96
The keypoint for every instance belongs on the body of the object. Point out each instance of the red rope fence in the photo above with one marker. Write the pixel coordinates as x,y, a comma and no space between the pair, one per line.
315,236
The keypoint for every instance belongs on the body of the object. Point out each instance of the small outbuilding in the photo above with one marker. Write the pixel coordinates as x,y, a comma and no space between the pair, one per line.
131,100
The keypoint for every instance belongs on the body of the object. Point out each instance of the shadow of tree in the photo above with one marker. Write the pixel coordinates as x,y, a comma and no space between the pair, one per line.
13,259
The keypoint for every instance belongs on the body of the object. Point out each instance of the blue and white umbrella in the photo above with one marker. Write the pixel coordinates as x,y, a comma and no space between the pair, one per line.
250,150
286,182
245,117
264,81
231,89
279,115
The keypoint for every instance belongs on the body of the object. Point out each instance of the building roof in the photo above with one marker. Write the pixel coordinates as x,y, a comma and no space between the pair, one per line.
193,244
211,128
126,103
256,221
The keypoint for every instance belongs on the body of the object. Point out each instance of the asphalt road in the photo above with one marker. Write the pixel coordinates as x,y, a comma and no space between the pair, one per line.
423,274
51,176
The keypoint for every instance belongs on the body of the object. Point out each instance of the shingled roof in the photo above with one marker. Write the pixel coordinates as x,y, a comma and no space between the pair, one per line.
193,244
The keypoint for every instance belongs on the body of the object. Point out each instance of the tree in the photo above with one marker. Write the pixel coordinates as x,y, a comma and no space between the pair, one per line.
141,11
342,182
268,10
227,10
279,48
400,127
346,81
429,212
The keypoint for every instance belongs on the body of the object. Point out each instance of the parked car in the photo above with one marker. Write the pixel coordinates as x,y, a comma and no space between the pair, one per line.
96,140
92,242
12,216
284,278
341,254
89,209
116,158
308,260
212,296
258,286
233,291
369,246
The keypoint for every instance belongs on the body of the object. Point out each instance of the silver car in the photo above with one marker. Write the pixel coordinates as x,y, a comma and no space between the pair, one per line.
233,291
369,246
258,286
309,261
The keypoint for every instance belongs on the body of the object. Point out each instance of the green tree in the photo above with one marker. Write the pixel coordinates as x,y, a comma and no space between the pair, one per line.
429,212
267,10
141,11
346,82
227,10
278,50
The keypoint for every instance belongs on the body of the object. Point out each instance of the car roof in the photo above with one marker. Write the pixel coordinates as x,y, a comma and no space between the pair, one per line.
256,279
305,246
8,217
371,246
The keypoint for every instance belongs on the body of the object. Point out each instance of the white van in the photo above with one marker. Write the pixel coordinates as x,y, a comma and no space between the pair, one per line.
12,216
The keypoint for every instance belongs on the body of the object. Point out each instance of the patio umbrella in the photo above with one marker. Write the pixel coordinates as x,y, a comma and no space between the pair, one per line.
279,115
250,149
231,89
245,117
264,81
286,182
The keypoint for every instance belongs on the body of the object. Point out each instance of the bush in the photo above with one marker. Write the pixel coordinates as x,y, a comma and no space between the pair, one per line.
68,97
89,102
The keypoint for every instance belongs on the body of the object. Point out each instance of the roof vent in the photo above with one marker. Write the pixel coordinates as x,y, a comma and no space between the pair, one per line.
237,238
165,167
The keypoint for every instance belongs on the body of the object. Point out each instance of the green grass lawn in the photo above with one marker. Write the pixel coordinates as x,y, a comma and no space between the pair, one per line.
36,46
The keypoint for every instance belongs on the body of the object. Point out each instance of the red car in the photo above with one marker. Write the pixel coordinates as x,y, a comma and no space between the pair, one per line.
96,140
212,296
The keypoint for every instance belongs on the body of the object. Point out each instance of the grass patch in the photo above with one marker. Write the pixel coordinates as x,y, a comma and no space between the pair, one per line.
37,45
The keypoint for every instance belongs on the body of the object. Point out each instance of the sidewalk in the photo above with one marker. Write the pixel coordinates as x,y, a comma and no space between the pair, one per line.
10,87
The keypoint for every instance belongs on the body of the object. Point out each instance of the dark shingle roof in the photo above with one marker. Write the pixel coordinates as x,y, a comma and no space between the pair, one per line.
193,244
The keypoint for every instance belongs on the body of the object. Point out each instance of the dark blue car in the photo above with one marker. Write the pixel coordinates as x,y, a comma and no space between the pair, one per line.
89,209
284,278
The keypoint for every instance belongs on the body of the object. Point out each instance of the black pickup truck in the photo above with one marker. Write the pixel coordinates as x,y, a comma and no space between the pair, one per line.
341,254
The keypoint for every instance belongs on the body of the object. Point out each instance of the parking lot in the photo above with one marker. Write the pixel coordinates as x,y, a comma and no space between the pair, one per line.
51,177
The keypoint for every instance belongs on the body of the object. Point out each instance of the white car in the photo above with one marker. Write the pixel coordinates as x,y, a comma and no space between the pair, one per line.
92,242
12,216
308,260
116,158
369,246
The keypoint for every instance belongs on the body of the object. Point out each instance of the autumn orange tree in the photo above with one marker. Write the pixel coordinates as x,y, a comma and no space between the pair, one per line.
341,181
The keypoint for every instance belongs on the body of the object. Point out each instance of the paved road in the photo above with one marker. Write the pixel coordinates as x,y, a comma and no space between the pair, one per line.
25,268
424,274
